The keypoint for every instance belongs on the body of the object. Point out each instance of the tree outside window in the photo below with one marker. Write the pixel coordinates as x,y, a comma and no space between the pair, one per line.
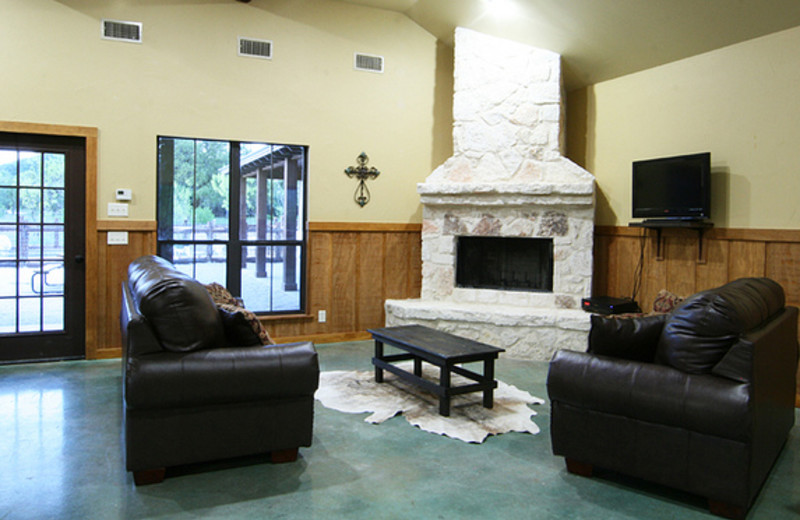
234,213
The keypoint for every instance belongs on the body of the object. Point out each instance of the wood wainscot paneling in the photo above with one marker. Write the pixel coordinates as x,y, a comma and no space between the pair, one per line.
111,271
353,268
727,254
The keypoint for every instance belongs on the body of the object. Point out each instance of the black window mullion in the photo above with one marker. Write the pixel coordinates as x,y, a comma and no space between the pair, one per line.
194,196
233,265
19,239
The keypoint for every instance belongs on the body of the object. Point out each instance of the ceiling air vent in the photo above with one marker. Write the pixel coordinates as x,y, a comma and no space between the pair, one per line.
369,63
121,31
255,48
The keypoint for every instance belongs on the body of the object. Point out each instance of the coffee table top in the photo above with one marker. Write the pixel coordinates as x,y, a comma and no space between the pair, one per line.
437,343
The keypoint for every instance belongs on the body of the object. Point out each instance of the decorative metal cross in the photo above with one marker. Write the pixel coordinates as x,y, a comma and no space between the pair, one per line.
362,173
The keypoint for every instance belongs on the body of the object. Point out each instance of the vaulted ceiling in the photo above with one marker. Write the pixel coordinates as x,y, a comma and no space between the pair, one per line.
604,39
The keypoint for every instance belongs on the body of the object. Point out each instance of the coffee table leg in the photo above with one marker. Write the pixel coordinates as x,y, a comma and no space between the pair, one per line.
418,367
378,355
444,383
488,374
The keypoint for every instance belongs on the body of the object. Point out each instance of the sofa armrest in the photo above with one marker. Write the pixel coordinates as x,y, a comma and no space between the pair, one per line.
222,375
634,338
648,392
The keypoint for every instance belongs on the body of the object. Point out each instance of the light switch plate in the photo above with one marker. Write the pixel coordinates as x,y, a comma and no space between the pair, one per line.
117,238
117,209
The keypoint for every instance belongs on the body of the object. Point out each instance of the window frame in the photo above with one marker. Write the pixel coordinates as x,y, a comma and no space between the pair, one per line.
235,243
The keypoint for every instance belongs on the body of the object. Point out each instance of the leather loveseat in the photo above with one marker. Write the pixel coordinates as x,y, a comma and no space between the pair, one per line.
700,399
189,395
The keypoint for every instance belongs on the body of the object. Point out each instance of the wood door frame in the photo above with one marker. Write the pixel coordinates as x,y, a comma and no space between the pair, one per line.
90,134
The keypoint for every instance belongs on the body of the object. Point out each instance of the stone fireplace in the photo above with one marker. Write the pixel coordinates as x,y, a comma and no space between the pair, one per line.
508,184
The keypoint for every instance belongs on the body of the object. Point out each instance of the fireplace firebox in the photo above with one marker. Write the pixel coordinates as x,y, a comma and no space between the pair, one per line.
505,263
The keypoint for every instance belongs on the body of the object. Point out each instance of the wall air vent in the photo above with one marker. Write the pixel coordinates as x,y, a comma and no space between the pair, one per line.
255,48
368,62
121,31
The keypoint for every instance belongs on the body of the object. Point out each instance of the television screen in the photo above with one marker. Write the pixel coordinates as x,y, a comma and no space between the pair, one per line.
673,187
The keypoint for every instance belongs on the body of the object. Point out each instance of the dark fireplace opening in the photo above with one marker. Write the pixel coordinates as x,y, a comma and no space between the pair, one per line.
506,263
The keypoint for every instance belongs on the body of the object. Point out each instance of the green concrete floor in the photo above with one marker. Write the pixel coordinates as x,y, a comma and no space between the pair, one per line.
61,457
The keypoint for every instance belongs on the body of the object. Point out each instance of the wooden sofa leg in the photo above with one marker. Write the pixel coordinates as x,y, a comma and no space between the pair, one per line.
149,476
578,468
281,456
726,510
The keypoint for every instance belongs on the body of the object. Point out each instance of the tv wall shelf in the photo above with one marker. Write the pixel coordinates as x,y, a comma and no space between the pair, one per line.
699,225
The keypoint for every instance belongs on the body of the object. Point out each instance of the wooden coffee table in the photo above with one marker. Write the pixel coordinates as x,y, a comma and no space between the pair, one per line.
441,349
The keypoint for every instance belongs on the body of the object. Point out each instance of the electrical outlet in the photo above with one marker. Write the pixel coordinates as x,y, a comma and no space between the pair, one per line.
322,316
117,238
117,209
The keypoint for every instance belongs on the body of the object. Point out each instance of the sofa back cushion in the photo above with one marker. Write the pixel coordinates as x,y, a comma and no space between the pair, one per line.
178,308
698,333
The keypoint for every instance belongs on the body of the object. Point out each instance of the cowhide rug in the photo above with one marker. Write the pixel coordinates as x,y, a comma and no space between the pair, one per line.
357,392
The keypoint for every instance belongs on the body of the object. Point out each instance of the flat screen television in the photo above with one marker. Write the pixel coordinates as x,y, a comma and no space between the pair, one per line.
673,187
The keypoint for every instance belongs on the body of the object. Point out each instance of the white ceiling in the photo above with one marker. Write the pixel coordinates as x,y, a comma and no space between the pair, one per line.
604,39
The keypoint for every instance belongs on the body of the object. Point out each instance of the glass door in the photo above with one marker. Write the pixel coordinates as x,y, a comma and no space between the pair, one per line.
41,247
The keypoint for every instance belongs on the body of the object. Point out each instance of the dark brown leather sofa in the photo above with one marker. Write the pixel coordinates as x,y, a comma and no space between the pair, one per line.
700,399
189,395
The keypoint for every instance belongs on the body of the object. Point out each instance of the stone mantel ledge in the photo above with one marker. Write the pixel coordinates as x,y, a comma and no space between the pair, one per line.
505,188
507,194
493,197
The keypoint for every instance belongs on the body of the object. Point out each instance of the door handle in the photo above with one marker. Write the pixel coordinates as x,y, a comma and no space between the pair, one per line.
79,259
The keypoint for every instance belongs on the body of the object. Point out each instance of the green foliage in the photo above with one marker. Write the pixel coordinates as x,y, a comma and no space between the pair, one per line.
34,167
200,180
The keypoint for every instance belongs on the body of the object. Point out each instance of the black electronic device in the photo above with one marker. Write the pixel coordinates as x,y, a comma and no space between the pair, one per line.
609,305
673,187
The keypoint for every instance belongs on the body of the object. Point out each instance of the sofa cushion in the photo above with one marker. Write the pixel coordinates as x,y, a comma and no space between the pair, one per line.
177,307
699,333
242,327
222,376
634,338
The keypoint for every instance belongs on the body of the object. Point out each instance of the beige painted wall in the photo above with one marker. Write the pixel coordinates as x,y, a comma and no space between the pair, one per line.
187,80
740,103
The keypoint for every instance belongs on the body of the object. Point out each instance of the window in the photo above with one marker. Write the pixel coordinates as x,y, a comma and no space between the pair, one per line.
234,213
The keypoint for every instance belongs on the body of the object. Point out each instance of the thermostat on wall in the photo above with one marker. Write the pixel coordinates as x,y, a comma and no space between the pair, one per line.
124,194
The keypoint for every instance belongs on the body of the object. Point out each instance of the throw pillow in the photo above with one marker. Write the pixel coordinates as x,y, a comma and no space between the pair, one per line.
242,327
221,295
666,301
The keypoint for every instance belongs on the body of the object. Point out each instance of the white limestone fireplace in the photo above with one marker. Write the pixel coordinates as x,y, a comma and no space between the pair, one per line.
506,179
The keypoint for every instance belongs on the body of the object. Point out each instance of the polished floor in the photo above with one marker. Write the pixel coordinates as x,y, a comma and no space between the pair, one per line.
61,457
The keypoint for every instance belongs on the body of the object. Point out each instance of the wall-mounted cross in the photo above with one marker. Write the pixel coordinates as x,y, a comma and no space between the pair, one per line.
362,173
